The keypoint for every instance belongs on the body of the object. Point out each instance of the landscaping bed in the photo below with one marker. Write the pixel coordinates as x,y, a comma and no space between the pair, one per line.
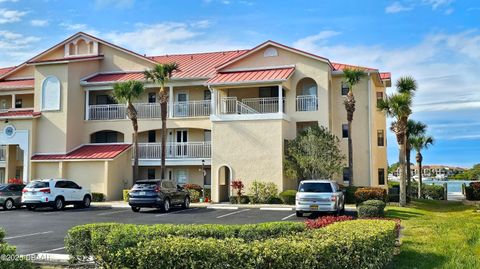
345,244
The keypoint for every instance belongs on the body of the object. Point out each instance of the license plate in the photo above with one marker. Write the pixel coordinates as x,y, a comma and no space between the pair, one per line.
314,207
32,192
141,193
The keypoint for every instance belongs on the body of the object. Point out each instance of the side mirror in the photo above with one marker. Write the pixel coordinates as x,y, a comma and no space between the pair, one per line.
79,187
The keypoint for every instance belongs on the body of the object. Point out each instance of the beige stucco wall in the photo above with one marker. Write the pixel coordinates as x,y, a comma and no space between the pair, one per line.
24,72
120,175
253,150
194,173
116,60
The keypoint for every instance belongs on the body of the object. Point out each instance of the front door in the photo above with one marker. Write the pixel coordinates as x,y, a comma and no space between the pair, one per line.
181,108
181,139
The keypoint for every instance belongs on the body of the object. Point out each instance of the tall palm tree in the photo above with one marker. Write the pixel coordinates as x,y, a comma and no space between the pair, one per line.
160,74
127,92
399,106
419,143
352,78
414,128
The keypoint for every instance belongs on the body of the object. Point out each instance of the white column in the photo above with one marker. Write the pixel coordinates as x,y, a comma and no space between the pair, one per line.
13,101
280,99
213,102
170,102
87,104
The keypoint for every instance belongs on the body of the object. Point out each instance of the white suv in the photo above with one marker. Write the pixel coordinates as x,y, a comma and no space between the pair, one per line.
55,193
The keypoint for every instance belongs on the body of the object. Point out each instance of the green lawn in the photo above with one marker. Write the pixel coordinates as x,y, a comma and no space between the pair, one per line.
438,234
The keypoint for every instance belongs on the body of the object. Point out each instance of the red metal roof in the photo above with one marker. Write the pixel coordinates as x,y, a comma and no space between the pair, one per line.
198,65
19,83
6,70
12,113
87,152
339,67
116,77
252,76
385,75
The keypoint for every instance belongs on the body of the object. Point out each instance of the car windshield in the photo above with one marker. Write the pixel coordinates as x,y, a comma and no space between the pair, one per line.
315,187
145,185
37,184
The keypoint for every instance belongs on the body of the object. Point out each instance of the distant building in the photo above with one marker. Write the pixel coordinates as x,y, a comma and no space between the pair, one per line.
436,171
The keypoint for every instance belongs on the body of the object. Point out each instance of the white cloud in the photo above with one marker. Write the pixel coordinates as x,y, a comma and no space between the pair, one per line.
8,16
73,26
437,3
16,47
396,7
171,37
13,1
310,42
39,23
100,4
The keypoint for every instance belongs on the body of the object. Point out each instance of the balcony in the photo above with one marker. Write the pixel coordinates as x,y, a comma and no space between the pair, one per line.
187,109
186,150
231,105
307,103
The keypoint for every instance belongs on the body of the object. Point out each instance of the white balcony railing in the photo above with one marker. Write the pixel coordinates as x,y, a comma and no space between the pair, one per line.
107,112
175,150
263,105
192,108
307,103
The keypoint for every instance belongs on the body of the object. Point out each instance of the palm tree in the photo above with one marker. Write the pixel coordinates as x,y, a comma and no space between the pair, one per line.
127,92
399,106
419,143
160,74
352,77
414,128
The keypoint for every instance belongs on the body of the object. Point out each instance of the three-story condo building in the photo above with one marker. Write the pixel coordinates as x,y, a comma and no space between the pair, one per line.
229,114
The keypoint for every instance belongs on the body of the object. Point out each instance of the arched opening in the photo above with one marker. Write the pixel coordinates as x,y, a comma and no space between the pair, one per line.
82,47
224,179
107,136
71,49
51,93
307,95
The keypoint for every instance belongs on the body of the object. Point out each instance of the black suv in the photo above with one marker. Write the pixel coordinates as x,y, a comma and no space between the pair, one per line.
157,194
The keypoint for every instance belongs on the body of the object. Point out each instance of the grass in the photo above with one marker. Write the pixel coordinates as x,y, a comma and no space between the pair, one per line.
437,234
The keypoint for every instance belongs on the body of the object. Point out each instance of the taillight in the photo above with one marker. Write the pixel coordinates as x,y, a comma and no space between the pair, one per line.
333,198
24,190
46,190
157,189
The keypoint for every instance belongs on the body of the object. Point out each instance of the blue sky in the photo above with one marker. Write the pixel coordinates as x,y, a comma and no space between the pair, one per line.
436,41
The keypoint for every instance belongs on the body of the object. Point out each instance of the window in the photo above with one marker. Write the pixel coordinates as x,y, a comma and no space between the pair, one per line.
152,97
61,184
268,92
71,185
151,136
345,130
151,173
315,187
379,96
105,137
270,52
207,95
104,99
381,176
207,135
380,138
345,88
51,94
18,103
346,174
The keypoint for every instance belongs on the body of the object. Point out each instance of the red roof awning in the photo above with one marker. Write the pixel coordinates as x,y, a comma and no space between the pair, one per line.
86,152
386,75
24,113
20,83
117,77
252,76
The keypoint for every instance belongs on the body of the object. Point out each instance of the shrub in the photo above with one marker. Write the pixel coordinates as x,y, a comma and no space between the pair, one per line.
194,195
432,192
191,186
8,258
208,193
348,244
261,192
472,192
125,195
350,194
288,196
365,194
371,209
243,199
237,187
98,197
326,220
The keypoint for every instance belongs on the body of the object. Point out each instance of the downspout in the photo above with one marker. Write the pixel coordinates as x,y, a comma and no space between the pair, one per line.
370,129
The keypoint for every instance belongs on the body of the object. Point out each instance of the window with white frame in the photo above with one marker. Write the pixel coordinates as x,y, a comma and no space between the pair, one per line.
51,94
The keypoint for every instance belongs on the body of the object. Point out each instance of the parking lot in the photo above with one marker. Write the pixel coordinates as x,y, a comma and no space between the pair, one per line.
43,230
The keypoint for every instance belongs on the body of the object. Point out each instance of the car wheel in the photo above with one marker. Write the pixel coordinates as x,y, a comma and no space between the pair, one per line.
299,214
8,205
58,204
30,207
186,202
86,201
135,209
166,205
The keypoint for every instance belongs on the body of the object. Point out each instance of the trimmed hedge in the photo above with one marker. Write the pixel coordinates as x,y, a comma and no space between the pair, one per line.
350,194
367,193
98,197
8,256
348,244
288,196
432,192
371,209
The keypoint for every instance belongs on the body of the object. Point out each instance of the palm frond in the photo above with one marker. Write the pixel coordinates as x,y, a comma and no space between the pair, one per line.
407,85
396,105
353,76
126,92
161,73
415,128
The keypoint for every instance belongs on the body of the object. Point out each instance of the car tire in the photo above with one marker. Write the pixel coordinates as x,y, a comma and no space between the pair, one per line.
299,214
165,206
186,202
30,207
86,201
8,205
342,211
59,204
135,209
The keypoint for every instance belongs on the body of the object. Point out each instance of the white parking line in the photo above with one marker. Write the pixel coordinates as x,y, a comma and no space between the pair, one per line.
223,207
177,212
276,208
27,235
50,250
289,216
111,213
229,214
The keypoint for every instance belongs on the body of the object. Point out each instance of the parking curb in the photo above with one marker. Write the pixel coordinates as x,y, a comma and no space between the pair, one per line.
208,205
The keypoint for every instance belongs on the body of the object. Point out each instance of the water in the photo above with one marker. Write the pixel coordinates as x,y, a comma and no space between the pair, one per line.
452,185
